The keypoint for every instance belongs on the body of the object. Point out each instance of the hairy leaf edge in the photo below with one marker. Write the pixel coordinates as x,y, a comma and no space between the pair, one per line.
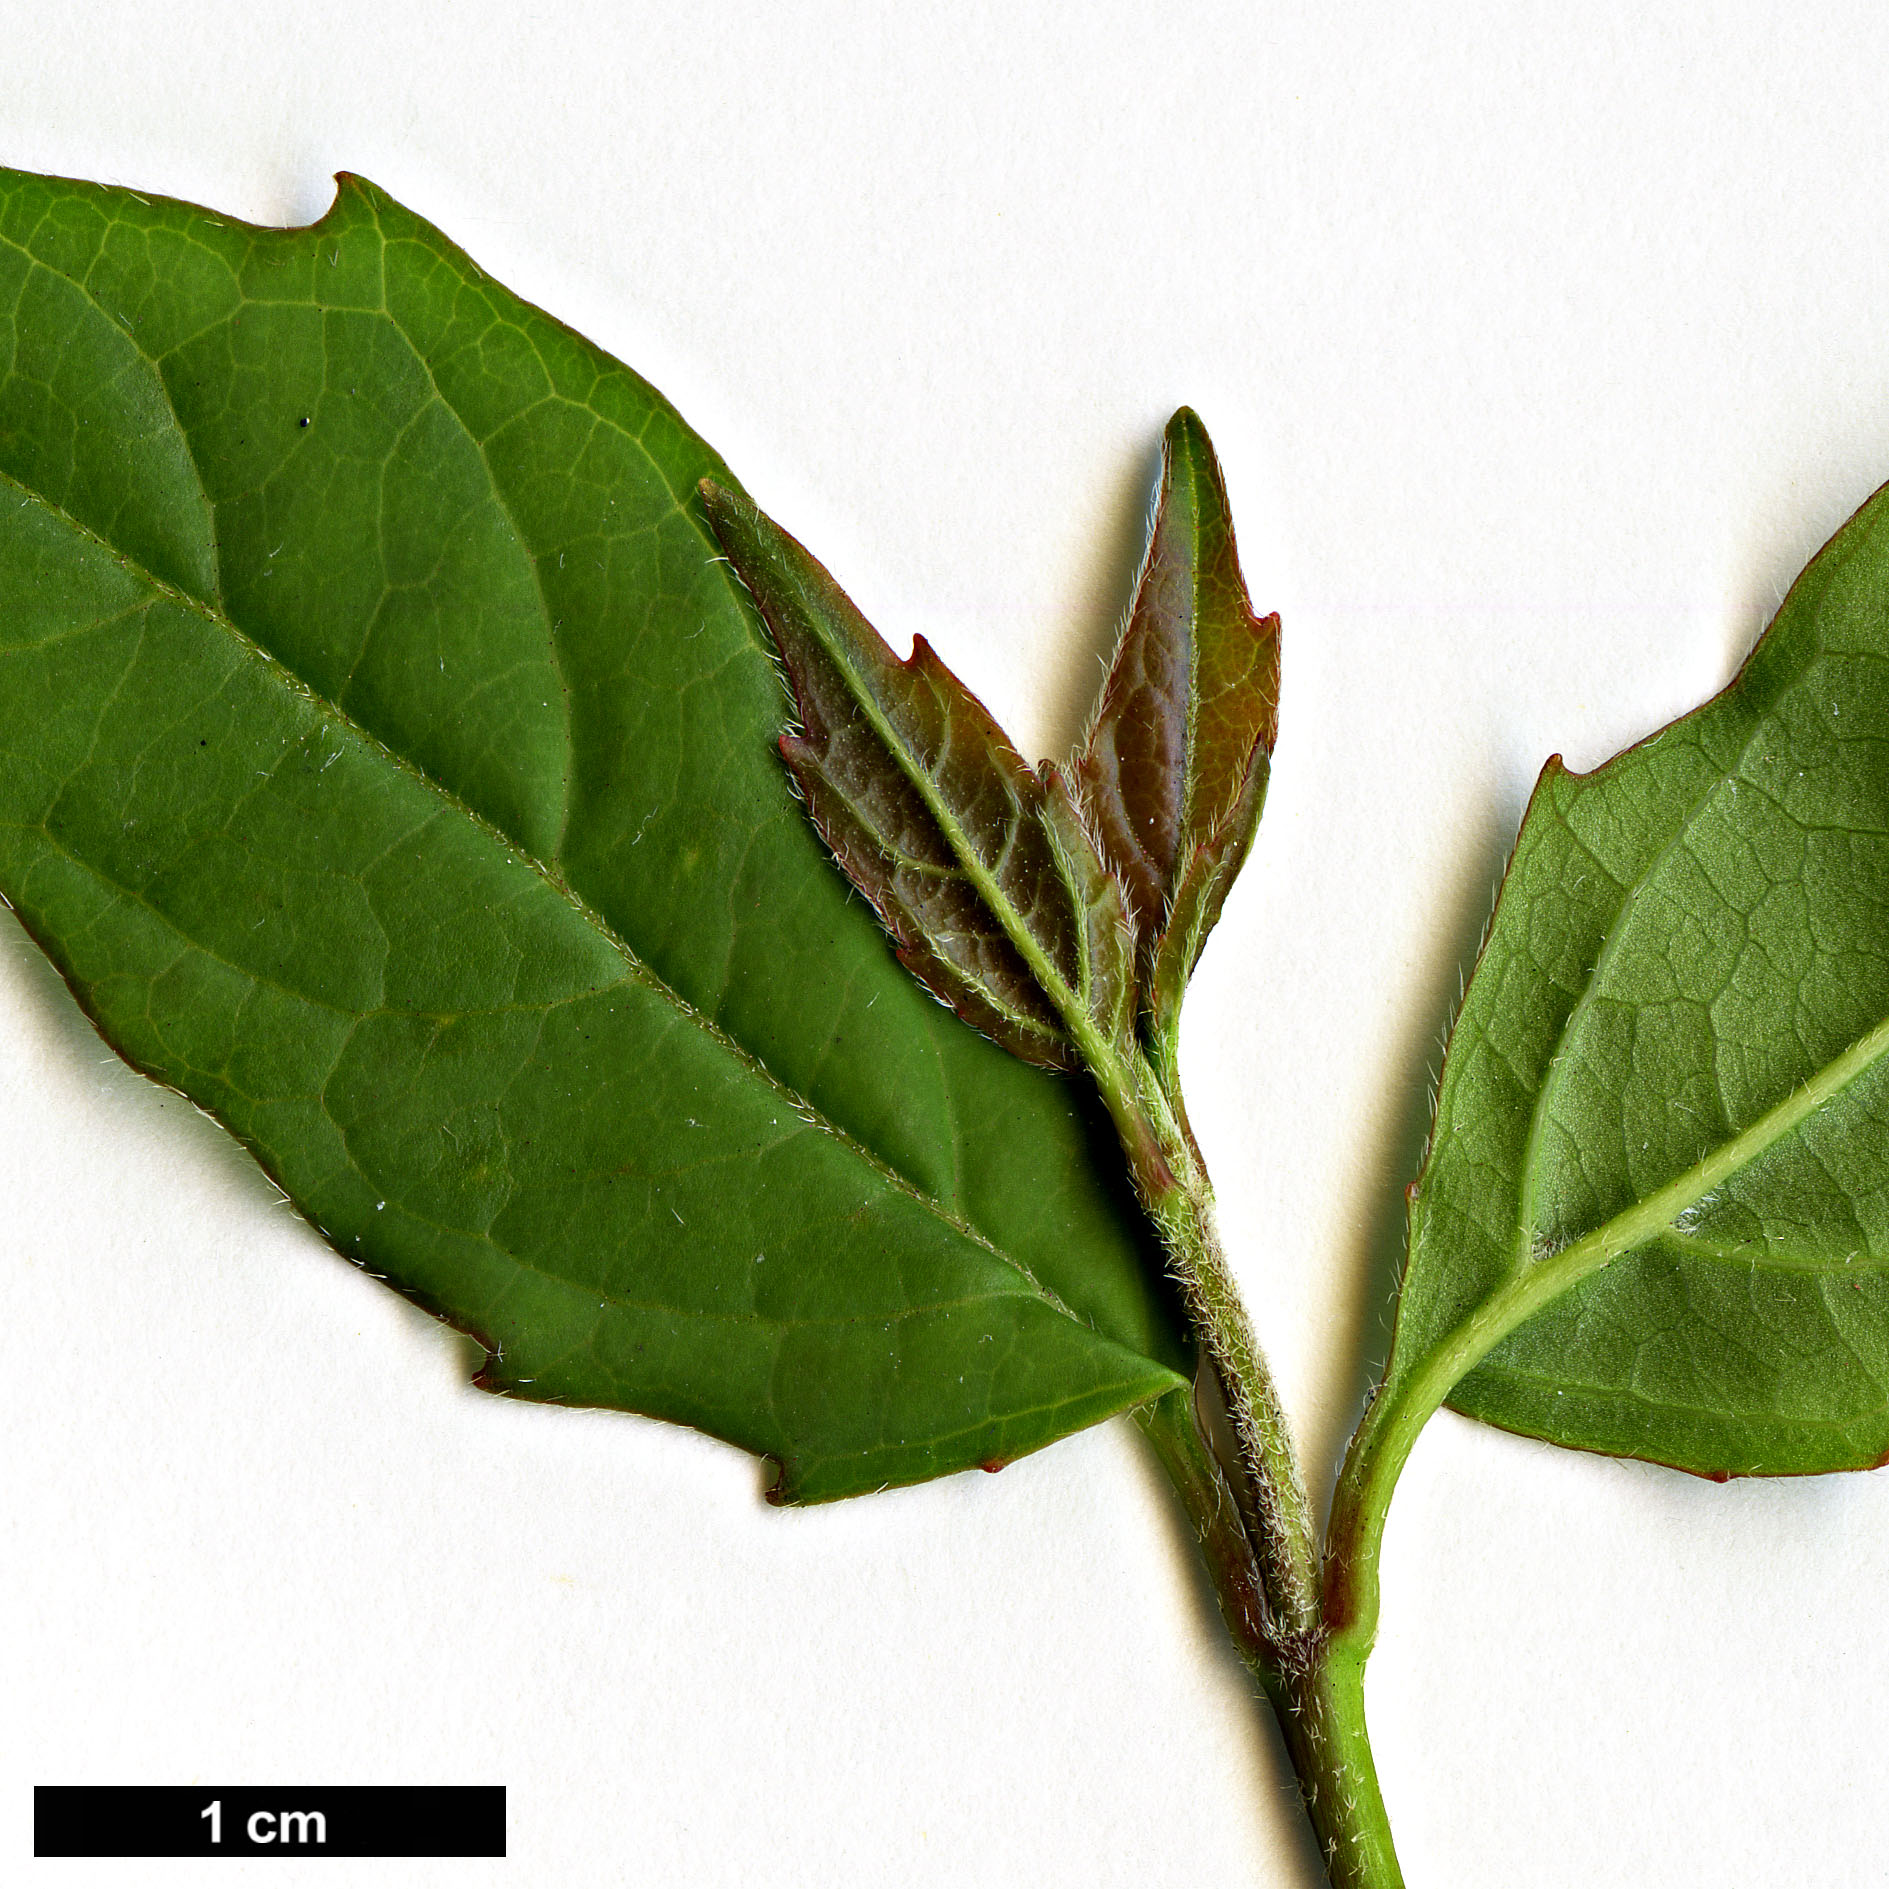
1553,771
347,182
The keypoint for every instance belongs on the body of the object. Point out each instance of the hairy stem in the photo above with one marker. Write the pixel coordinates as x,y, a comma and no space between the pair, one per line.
1315,1688
1321,1714
1238,1415
1228,1451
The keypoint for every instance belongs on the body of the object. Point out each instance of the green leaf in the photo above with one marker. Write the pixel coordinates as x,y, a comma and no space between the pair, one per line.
1173,775
981,870
1655,1217
387,765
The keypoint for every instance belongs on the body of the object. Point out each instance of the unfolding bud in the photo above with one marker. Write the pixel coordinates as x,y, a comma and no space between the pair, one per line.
979,868
1173,774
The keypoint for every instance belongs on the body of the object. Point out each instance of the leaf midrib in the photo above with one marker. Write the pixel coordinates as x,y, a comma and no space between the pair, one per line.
1411,1396
1537,1276
1190,776
1068,1003
638,970
1645,1220
1549,1275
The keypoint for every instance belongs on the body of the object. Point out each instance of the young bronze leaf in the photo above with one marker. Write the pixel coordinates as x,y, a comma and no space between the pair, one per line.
1657,1204
986,880
1103,937
1174,771
387,765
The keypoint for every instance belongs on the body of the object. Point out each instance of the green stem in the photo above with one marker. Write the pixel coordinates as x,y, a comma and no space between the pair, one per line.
1408,1400
1228,1451
1263,1473
1226,1546
1254,1526
1321,1714
1263,1476
1316,1689
1349,1602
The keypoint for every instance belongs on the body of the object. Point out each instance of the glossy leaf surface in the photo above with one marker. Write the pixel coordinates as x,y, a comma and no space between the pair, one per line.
1173,775
1668,1087
387,764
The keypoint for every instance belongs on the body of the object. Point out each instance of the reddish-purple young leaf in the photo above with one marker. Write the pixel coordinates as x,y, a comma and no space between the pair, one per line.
1174,771
981,870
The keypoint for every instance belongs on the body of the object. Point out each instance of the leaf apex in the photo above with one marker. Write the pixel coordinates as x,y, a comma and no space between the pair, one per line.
394,896
1174,767
1185,430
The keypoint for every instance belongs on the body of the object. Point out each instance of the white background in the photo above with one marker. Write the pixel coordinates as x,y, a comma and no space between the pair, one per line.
1542,345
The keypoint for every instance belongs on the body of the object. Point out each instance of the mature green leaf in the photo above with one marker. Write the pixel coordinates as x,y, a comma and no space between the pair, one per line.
1174,772
1663,1127
981,871
386,764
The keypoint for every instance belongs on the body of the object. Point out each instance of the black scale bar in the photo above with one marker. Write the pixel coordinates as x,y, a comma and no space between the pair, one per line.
231,1820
